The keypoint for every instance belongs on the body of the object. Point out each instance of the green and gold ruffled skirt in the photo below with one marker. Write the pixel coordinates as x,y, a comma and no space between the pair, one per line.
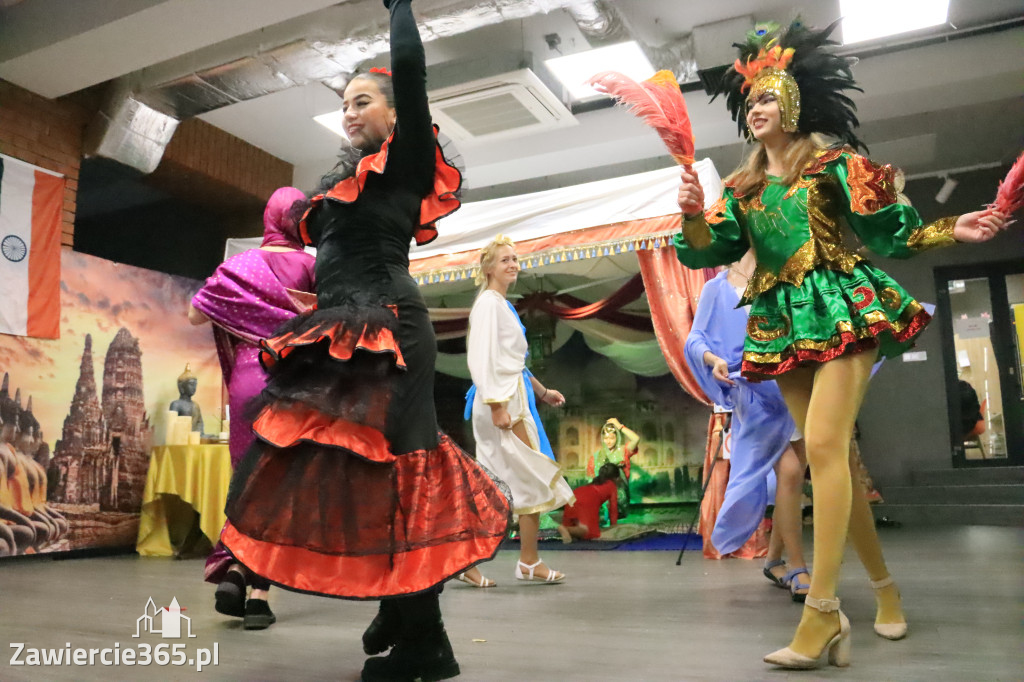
832,313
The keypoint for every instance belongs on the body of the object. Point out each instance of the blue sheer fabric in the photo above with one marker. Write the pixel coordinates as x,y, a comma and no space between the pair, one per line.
761,425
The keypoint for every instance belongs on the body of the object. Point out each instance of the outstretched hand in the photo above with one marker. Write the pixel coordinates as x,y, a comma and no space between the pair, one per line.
979,226
553,398
691,194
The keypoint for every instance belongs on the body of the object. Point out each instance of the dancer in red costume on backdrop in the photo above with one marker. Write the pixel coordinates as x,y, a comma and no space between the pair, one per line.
582,520
369,500
821,314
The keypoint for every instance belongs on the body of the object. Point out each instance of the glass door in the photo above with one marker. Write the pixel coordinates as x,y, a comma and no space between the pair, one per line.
983,340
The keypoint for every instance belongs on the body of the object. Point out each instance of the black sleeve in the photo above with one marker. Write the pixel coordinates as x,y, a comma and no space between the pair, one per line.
970,408
412,152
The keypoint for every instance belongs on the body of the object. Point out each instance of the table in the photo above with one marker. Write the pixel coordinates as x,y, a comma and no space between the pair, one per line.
197,474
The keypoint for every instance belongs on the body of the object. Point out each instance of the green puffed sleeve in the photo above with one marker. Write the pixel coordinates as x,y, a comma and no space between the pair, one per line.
715,237
886,227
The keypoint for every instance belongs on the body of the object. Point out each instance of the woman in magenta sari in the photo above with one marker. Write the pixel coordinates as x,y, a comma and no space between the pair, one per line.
247,298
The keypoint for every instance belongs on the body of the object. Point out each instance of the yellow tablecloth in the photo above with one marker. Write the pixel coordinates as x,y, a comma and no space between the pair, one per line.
198,475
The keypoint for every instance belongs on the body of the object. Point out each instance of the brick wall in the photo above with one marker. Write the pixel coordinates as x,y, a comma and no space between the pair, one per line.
48,134
202,164
202,159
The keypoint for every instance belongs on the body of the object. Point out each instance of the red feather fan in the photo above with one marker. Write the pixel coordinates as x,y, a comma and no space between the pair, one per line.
1010,197
659,102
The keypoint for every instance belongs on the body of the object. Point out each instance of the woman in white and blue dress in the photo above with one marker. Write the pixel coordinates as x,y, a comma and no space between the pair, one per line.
510,440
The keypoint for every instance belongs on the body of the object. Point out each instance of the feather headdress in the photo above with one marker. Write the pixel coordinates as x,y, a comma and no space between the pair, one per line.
821,76
659,102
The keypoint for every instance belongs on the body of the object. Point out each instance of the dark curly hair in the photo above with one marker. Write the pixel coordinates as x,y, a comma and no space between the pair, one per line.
609,471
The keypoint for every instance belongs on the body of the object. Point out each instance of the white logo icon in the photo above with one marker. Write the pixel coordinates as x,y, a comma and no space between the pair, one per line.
170,621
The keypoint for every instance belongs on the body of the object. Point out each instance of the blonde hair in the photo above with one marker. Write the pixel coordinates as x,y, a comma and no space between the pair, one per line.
487,255
753,171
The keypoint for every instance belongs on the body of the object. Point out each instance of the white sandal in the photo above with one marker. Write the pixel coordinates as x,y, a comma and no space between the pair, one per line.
554,577
484,581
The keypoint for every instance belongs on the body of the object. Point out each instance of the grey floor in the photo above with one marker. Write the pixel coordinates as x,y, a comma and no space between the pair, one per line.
620,616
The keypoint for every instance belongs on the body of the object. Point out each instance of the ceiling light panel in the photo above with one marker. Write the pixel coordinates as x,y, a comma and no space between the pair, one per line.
873,19
574,70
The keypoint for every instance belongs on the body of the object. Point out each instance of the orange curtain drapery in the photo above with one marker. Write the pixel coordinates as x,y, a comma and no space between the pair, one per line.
757,545
673,292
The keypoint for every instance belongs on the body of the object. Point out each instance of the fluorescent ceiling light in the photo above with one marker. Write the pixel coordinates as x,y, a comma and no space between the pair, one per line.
870,19
575,70
333,121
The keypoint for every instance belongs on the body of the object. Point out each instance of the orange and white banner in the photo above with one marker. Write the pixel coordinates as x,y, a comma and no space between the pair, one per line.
31,200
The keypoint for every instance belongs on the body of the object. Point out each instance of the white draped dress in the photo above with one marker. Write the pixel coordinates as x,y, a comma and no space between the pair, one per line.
496,354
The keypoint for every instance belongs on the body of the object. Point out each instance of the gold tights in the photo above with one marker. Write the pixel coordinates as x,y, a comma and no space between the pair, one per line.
824,402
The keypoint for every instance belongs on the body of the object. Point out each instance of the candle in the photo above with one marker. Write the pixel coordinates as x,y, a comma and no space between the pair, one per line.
194,437
182,427
169,422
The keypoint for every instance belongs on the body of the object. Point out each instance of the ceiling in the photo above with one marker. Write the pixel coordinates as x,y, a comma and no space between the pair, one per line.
927,106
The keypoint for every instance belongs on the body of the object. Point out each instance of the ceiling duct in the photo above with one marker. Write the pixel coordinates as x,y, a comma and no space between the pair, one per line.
598,22
130,132
602,24
139,120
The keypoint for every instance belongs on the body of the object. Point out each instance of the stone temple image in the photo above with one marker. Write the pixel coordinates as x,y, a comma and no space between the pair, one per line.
103,453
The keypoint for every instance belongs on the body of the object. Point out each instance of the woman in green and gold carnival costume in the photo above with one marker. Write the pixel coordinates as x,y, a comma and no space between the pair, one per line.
821,313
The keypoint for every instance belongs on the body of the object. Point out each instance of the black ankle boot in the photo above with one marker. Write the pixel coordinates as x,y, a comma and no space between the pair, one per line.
422,652
258,615
382,633
229,598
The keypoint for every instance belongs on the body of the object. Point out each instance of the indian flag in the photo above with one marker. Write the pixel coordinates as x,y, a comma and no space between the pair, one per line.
31,200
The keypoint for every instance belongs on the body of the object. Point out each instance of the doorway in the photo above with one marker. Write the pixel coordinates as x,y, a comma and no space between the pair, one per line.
982,307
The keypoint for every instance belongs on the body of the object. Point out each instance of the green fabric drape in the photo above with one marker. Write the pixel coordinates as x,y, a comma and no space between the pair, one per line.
643,358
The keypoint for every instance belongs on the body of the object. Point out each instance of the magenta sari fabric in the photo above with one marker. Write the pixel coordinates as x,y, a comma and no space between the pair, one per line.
247,298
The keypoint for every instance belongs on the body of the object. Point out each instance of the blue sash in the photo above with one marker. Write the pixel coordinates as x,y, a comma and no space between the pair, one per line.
542,437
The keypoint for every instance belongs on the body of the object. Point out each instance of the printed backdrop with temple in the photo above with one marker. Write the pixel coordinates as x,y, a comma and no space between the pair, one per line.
79,411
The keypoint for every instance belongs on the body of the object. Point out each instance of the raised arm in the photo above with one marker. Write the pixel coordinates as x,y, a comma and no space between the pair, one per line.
714,237
895,230
413,146
886,227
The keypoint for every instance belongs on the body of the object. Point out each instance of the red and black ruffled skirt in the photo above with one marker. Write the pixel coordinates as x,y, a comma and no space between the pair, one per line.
321,504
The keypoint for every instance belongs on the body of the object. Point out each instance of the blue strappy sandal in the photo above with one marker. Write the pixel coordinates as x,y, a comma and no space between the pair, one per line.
777,581
794,584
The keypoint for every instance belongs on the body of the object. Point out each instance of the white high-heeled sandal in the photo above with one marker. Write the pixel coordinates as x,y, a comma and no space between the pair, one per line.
838,647
893,631
554,577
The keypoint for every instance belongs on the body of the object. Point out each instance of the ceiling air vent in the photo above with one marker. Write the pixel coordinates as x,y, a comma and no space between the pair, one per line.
508,105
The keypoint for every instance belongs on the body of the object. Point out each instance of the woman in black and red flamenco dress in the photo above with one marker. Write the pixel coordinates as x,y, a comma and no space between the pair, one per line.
369,500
